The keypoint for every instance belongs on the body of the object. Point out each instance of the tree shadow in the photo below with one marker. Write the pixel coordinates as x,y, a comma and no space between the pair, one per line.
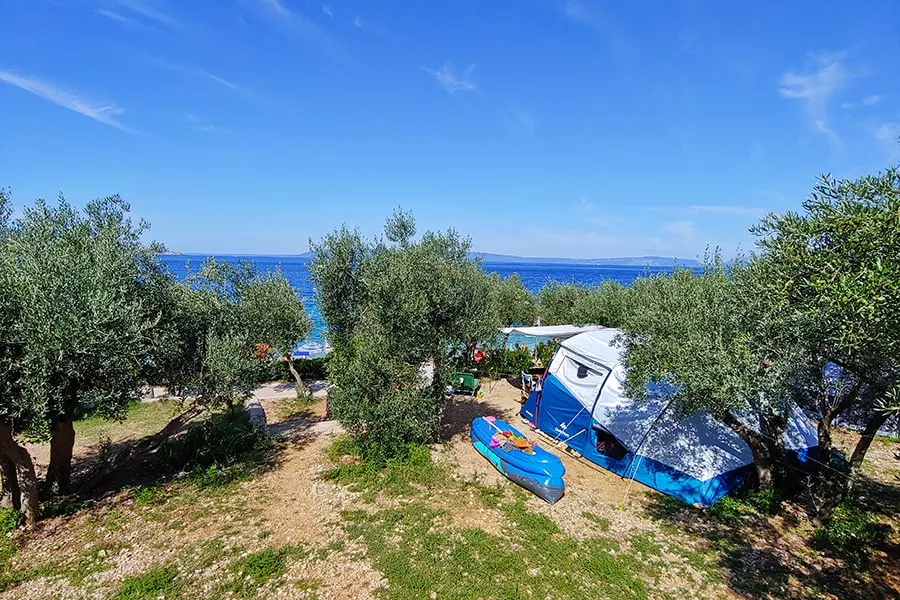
461,410
148,470
768,558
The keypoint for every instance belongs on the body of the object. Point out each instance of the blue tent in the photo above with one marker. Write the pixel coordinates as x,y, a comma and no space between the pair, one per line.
581,403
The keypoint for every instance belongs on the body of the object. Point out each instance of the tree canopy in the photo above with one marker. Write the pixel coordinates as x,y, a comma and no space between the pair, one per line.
395,310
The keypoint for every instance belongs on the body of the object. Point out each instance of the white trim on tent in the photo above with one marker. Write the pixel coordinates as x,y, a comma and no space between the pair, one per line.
697,445
550,331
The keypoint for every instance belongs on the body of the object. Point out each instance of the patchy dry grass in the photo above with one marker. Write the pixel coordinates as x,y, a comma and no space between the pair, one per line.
318,522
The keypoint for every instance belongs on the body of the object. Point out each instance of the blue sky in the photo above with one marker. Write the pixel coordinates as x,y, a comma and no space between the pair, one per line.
542,128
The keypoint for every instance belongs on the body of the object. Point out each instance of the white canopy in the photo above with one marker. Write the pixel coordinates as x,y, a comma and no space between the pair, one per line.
588,366
550,331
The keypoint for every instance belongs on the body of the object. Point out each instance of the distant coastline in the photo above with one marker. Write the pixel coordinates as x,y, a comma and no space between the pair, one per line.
488,257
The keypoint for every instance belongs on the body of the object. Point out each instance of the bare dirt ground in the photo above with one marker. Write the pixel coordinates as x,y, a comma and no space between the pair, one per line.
291,505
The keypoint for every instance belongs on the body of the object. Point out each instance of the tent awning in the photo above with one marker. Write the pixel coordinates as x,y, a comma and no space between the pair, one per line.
559,332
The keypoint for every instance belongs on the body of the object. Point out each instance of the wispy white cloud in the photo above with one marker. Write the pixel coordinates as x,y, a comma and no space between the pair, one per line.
452,81
295,25
585,204
148,9
723,209
220,80
103,113
116,16
814,88
203,126
517,121
682,229
327,10
889,135
358,23
598,18
870,100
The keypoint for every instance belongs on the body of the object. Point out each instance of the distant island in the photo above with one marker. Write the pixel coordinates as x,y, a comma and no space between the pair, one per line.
623,261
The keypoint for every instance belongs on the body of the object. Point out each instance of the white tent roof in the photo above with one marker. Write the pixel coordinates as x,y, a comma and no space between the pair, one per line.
588,366
550,331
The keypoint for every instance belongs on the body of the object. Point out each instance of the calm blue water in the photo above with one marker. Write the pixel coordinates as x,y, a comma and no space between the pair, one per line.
533,276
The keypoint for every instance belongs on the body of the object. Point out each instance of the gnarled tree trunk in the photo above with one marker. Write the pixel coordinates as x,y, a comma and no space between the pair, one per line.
27,479
839,492
10,496
301,388
762,458
831,412
62,443
862,446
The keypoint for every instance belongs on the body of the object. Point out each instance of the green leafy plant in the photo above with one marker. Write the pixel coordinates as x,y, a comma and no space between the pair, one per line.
156,584
851,533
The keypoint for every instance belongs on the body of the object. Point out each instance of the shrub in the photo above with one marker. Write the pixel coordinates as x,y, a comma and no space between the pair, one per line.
851,533
221,440
9,520
544,351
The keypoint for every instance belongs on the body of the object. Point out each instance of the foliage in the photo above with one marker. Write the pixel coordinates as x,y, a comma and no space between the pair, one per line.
699,335
573,304
155,584
229,324
391,308
544,351
832,273
851,533
513,303
557,301
221,441
9,520
507,361
87,288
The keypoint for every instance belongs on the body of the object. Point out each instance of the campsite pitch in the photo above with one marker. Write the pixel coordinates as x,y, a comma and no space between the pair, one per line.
313,521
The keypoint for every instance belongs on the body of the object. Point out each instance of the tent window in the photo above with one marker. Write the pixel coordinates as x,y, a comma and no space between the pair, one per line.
582,379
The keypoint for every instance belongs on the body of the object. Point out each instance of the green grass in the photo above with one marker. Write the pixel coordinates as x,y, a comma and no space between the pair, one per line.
420,554
396,477
154,584
150,495
645,544
254,570
142,418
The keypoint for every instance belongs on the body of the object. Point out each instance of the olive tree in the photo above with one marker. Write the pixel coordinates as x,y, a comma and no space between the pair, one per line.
18,412
834,270
85,323
395,309
513,303
222,328
696,333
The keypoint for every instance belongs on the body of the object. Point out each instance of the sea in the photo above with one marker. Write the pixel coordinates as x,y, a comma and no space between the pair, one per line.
533,276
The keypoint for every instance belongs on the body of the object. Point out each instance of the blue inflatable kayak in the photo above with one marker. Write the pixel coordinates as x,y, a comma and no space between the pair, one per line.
537,471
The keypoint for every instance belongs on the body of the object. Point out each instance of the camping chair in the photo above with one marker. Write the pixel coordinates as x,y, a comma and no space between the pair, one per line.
464,383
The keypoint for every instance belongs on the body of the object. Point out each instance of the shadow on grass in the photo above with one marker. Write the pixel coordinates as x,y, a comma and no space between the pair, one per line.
773,558
203,453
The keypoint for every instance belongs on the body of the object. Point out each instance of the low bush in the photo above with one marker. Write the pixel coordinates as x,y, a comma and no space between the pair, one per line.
9,520
222,440
851,533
